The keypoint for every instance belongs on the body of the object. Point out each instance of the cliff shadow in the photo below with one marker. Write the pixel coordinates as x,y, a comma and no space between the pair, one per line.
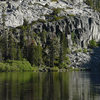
94,63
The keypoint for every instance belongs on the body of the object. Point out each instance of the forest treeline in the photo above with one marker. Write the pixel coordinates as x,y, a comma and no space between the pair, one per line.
39,49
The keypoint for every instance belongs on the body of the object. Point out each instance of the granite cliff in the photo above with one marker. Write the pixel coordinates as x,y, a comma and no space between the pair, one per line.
79,17
69,17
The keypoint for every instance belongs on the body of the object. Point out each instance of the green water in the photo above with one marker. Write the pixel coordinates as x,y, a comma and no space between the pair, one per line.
49,86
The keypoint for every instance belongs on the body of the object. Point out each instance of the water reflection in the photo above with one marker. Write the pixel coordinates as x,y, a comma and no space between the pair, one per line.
49,86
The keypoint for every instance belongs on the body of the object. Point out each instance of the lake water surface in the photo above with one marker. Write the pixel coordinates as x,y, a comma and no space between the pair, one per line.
50,86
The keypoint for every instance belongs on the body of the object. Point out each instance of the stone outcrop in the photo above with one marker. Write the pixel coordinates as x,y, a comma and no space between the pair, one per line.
75,17
80,18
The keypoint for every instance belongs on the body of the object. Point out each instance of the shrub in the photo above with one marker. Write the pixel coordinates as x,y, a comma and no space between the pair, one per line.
54,0
79,50
71,15
14,65
35,69
63,65
55,18
54,15
67,60
66,63
73,37
56,11
2,67
55,69
68,51
92,43
85,50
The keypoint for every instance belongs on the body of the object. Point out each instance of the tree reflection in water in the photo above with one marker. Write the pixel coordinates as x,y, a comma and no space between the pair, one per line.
49,86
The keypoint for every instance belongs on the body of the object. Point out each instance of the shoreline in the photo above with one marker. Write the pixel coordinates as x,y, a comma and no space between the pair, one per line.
25,66
47,69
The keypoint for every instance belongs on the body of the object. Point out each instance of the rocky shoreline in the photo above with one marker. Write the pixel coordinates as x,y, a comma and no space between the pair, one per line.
79,59
87,60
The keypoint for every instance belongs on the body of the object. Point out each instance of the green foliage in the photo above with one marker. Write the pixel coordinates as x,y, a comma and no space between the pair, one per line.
14,65
3,18
54,0
68,51
67,60
56,11
52,51
35,68
19,54
54,15
63,65
35,54
78,50
73,37
43,36
56,18
85,50
39,48
23,37
66,63
71,15
25,24
63,48
92,43
54,69
12,48
81,50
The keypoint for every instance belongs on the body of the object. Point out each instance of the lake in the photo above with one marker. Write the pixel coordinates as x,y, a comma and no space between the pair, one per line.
49,86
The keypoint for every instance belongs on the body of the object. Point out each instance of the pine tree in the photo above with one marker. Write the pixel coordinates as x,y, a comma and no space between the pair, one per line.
0,55
19,53
35,54
52,53
52,50
5,45
23,42
12,47
5,36
63,48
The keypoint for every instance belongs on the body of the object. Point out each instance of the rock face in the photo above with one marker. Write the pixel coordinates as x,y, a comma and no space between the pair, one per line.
75,17
85,29
80,18
80,59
